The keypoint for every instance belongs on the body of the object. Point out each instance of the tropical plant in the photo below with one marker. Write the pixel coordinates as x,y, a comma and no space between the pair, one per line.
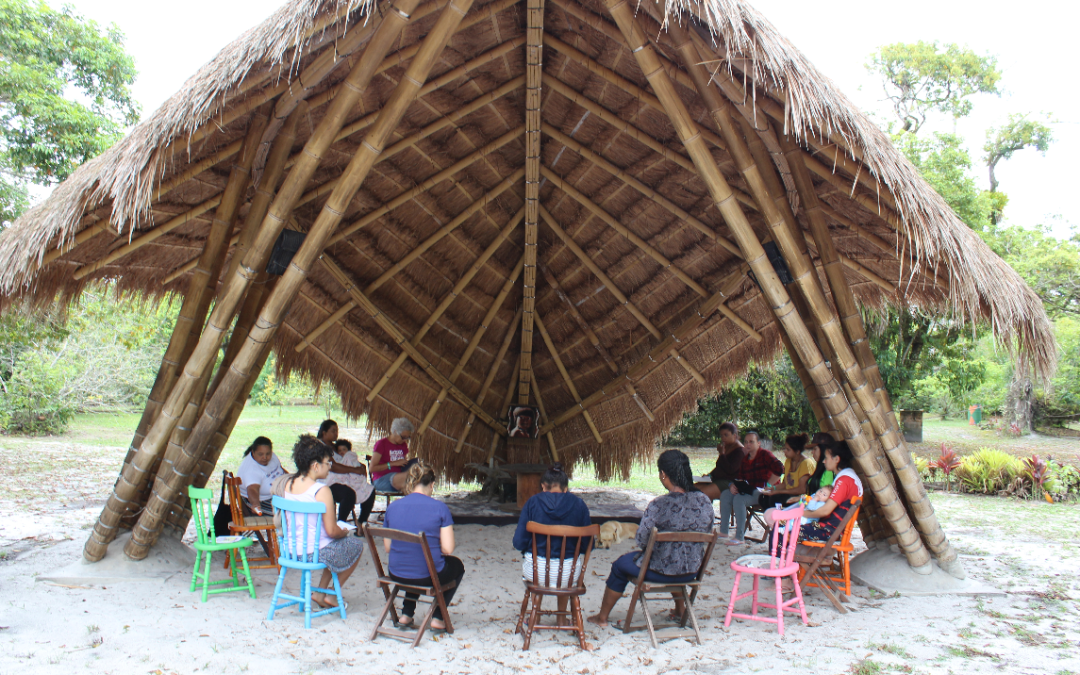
1038,470
946,463
988,471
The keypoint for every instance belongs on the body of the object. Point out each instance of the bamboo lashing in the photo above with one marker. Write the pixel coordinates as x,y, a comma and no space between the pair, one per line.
474,342
135,476
445,303
614,290
649,250
567,380
550,436
534,71
511,331
590,334
287,286
851,322
917,555
656,355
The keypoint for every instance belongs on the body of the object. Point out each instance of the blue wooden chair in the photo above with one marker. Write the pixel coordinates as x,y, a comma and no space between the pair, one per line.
206,542
293,545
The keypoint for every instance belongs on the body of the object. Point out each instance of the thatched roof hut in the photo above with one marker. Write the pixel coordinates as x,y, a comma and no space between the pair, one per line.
466,172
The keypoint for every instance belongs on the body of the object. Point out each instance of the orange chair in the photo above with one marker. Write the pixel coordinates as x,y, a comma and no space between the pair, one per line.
261,526
838,569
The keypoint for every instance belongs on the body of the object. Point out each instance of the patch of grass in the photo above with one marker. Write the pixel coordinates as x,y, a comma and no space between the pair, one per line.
895,650
867,667
967,652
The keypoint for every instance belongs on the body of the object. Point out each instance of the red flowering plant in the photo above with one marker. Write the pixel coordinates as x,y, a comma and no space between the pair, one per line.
946,463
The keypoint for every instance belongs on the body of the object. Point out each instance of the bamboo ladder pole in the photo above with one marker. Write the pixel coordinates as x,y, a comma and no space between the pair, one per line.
474,342
511,331
851,321
566,378
590,334
918,557
550,436
619,296
412,255
644,365
534,76
759,172
511,388
445,303
127,494
149,525
647,248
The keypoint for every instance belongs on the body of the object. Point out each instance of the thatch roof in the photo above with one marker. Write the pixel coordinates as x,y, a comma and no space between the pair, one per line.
610,158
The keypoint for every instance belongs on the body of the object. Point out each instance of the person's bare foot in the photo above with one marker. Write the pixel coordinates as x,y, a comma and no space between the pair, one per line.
596,620
438,625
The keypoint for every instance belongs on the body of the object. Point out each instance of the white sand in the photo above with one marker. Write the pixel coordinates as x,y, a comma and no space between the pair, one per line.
164,628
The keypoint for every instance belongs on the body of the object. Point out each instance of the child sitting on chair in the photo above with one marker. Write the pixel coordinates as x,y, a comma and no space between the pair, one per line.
809,502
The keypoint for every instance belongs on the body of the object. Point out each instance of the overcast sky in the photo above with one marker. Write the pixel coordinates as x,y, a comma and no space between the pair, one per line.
1035,50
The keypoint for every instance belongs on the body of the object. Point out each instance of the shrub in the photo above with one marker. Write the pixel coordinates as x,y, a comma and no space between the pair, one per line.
989,471
1062,479
946,463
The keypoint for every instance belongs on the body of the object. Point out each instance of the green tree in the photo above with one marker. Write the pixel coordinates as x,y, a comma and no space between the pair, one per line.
946,165
929,77
64,96
1051,266
1018,132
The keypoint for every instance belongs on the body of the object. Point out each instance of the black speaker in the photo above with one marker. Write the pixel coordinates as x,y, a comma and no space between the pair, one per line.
778,264
286,246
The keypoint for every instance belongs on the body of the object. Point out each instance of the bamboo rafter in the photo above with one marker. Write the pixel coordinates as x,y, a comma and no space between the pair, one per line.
550,436
511,331
567,380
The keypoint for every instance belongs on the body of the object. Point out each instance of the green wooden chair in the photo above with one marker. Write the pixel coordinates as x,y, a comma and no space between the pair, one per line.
206,543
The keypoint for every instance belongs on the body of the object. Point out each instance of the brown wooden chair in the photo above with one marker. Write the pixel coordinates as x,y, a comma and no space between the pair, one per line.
825,565
687,590
431,595
261,526
563,580
379,493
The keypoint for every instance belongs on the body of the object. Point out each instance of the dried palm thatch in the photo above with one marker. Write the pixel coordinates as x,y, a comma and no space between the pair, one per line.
436,155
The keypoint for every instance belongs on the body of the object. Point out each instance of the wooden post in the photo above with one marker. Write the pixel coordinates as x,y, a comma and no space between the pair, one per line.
851,321
534,67
327,221
474,342
773,290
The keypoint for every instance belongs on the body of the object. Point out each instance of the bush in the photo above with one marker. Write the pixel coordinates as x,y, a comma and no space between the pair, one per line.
989,471
33,403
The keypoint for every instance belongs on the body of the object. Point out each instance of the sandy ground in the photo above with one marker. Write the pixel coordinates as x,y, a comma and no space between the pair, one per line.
1028,550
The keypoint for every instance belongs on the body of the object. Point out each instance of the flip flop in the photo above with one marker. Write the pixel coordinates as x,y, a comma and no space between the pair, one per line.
405,626
436,631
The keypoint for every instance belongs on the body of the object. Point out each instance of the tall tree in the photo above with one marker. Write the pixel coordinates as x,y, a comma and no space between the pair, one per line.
1018,132
64,96
929,77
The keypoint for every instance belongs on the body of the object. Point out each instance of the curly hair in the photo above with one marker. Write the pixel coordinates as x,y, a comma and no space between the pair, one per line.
797,442
307,452
401,425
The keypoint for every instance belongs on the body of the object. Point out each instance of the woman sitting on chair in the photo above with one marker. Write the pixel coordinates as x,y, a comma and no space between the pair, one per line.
348,473
758,468
417,512
553,506
337,549
257,472
797,471
344,495
845,487
682,509
389,457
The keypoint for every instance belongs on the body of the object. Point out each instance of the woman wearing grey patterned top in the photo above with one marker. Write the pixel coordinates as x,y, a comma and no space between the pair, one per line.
682,509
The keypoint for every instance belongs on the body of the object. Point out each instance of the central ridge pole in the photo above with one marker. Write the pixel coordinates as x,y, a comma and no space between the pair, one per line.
534,72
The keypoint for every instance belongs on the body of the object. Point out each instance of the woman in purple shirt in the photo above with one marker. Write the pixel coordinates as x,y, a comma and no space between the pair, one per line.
417,512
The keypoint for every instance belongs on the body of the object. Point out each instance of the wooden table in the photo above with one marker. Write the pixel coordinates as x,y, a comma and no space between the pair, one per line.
528,482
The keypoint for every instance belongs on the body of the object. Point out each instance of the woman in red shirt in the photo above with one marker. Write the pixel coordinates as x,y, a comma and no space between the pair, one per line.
846,486
389,457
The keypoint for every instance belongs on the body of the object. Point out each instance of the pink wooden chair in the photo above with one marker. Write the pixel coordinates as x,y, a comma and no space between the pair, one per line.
779,564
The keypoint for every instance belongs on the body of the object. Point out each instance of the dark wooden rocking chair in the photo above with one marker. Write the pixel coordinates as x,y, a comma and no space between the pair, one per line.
430,595
687,590
563,577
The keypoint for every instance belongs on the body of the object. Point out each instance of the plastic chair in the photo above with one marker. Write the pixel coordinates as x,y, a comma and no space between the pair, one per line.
557,580
261,526
206,542
431,595
643,588
828,568
296,537
779,564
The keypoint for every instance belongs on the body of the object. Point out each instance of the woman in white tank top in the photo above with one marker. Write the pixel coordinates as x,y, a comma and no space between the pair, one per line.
337,549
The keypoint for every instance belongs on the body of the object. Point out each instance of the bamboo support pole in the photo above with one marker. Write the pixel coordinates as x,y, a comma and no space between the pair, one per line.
647,248
511,388
646,363
550,436
151,520
459,220
445,303
918,557
127,495
566,378
534,75
511,331
854,337
813,395
593,339
395,333
474,342
619,296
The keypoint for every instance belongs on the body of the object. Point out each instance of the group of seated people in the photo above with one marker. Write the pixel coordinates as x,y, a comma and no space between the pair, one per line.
745,474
